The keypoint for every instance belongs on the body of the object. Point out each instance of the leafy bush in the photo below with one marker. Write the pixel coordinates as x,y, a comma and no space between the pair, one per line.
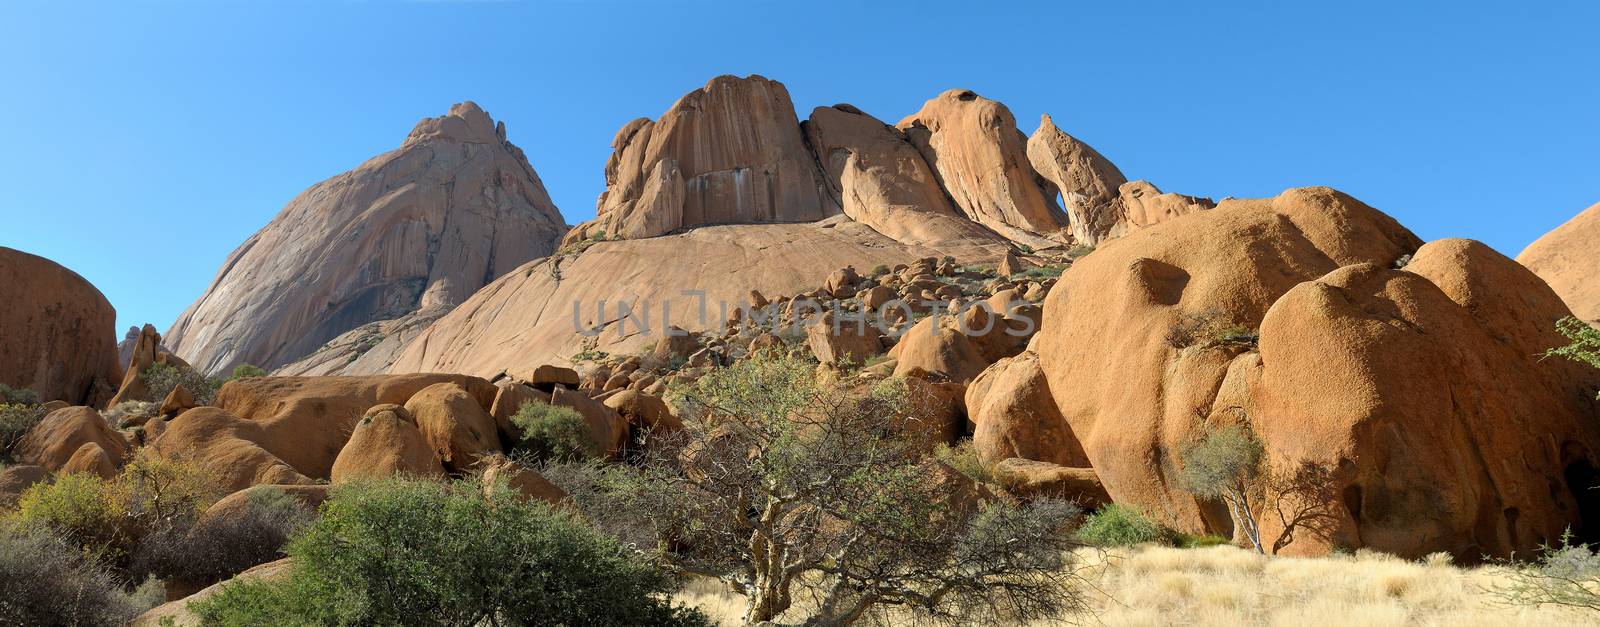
155,492
160,379
45,581
879,270
553,433
1080,250
246,371
17,396
80,509
1120,525
15,422
1585,342
408,552
105,519
219,547
1224,464
962,458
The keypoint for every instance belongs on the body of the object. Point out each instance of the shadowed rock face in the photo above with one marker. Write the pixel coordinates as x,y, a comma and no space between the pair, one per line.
59,332
418,228
1569,261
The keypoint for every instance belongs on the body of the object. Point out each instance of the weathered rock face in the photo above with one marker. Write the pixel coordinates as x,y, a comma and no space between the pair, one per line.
527,318
457,427
145,352
981,160
1412,386
131,342
306,421
1014,415
1086,181
420,227
729,152
227,448
1567,259
882,181
59,332
386,442
1141,204
366,349
1419,385
65,433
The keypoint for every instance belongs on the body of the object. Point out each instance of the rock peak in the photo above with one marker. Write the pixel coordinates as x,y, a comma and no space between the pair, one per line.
465,122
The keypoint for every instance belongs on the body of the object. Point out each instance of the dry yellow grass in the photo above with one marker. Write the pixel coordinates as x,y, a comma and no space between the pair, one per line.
1225,585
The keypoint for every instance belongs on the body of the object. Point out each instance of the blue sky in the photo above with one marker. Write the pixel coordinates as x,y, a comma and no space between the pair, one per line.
143,141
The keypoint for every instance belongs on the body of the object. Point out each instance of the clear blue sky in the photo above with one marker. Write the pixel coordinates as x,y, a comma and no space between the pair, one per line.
141,142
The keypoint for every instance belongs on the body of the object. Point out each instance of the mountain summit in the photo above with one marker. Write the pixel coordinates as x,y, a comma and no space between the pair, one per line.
400,240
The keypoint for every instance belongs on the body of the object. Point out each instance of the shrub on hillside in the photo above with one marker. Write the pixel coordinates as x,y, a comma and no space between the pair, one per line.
15,422
17,396
1585,342
79,509
1120,525
963,458
553,433
212,549
46,581
105,519
246,371
402,552
160,379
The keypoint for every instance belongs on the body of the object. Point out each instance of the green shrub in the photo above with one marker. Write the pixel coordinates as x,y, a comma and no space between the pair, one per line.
1044,272
104,519
215,548
416,552
553,433
879,270
80,509
44,581
1080,251
160,379
962,458
245,371
17,396
1585,342
1225,464
15,422
1119,525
